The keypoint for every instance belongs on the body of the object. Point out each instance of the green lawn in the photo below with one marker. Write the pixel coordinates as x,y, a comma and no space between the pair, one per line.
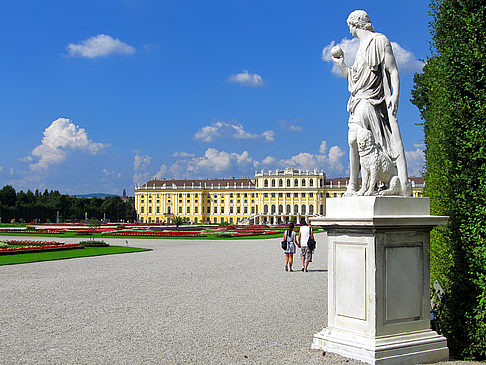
22,258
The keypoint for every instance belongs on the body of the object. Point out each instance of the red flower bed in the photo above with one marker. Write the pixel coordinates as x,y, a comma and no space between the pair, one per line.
36,248
151,234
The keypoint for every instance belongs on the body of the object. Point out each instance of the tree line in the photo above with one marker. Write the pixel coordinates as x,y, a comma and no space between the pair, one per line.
47,206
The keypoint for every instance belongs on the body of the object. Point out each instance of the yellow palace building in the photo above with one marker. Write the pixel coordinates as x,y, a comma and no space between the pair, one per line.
269,198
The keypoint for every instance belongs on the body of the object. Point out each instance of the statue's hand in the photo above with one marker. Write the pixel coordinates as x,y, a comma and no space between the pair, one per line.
393,104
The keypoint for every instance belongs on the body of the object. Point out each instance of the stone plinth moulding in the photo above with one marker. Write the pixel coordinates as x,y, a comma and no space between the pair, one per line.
379,280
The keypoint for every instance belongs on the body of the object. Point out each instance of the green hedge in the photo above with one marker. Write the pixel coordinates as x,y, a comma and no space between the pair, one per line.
451,96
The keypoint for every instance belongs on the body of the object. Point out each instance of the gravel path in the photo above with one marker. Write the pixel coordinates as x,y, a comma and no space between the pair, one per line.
185,302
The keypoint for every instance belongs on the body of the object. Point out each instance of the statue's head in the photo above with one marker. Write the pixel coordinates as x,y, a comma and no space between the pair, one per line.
361,20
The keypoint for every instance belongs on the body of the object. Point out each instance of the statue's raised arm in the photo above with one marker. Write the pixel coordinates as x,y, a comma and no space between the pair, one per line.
374,85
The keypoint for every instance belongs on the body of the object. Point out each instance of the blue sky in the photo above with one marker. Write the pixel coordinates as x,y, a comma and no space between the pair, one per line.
100,95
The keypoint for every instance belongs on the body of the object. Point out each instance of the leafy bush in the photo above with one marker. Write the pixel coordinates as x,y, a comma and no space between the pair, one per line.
93,244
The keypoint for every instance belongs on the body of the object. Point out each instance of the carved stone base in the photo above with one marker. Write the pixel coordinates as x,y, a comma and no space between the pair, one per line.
409,348
379,280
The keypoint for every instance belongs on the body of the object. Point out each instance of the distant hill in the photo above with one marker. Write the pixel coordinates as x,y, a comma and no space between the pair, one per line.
93,195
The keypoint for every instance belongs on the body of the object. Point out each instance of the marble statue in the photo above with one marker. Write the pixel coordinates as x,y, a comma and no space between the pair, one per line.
374,84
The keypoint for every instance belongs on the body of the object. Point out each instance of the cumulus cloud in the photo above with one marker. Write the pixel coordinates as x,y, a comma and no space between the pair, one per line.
287,126
100,45
406,60
331,161
60,139
231,129
162,172
141,164
416,160
244,78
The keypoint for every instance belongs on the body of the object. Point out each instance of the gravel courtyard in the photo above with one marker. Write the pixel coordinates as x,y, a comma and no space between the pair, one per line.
185,302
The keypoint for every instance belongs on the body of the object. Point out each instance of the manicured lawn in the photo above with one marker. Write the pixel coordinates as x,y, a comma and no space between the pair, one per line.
67,254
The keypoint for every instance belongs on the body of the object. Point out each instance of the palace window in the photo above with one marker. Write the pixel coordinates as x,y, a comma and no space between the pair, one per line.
311,209
303,182
188,195
273,208
273,183
273,195
196,209
188,210
303,195
265,209
150,209
215,210
296,182
238,210
296,209
280,195
303,209
158,210
180,210
245,210
311,182
288,195
222,210
252,210
288,183
288,208
231,210
265,195
280,183
141,210
296,195
280,208
265,183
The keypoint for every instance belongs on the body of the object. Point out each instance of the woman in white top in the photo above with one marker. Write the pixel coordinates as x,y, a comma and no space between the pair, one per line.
304,233
290,236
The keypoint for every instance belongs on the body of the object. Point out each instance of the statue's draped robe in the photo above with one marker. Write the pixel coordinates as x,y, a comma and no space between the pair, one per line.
370,89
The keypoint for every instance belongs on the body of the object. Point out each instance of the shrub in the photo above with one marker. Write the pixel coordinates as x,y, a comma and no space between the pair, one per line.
93,244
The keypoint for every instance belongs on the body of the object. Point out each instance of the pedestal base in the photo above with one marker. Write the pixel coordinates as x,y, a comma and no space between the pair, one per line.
379,281
407,348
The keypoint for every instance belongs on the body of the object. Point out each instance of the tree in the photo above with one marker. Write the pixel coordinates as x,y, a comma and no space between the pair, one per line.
177,220
8,197
92,224
451,97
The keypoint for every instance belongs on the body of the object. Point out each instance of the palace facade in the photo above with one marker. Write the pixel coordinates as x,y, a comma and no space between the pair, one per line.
270,197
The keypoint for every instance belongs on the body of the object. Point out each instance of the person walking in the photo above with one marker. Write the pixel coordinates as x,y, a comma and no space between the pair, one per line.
305,253
291,237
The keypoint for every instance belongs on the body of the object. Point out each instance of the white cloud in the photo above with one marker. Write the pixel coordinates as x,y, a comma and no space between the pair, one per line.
331,161
406,60
415,160
183,154
110,175
100,45
61,138
245,78
269,135
230,129
162,172
141,165
287,126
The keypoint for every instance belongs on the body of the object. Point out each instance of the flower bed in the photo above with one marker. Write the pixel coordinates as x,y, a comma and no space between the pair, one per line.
35,246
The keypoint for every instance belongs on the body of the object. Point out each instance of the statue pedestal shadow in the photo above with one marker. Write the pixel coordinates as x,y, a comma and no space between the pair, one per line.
379,280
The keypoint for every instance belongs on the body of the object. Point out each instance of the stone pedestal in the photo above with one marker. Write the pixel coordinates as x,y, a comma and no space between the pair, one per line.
379,280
